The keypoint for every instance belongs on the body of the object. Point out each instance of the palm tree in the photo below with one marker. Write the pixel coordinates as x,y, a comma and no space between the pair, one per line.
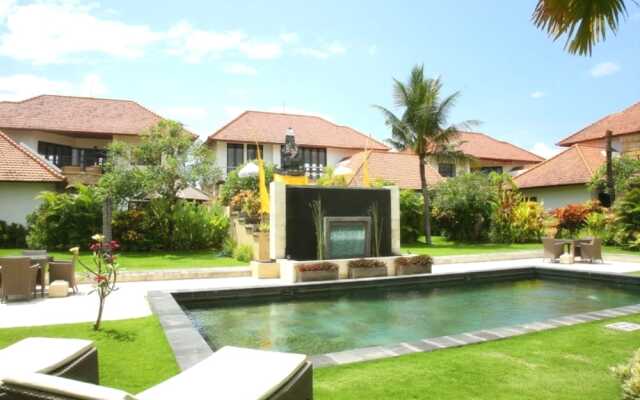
585,22
421,127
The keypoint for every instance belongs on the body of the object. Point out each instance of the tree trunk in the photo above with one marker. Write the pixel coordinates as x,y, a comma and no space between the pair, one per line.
96,326
426,201
611,187
107,208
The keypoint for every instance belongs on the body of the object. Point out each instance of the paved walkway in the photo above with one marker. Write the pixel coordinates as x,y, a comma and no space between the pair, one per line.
130,299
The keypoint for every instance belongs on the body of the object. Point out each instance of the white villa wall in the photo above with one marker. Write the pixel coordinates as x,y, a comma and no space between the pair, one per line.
559,196
18,199
31,139
462,167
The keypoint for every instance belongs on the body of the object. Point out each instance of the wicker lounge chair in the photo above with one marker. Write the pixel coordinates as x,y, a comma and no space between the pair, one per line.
39,257
592,250
64,271
69,358
553,249
17,277
231,373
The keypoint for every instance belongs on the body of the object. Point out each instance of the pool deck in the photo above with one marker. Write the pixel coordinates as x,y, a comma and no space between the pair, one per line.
130,300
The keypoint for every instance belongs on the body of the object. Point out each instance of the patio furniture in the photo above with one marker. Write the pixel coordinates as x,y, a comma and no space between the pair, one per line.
17,277
553,249
63,271
68,358
231,373
39,257
591,250
59,289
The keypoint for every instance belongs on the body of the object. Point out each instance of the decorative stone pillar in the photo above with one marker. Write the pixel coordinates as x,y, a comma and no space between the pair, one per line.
277,220
395,219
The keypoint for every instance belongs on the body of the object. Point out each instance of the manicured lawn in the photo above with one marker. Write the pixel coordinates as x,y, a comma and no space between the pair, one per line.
565,363
152,260
443,247
133,354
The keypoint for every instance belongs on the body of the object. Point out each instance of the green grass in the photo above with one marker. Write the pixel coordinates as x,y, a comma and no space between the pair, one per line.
133,354
443,247
135,261
565,363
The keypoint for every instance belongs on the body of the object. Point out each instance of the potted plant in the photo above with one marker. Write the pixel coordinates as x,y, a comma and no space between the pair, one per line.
413,265
364,268
321,271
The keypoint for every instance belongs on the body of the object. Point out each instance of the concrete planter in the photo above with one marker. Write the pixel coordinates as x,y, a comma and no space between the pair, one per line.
261,246
413,269
367,272
313,276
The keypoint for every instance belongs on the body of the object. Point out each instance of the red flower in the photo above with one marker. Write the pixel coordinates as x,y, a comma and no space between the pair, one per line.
114,245
100,278
94,247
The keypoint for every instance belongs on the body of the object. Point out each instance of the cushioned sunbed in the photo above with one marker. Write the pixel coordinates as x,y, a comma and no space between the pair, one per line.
231,373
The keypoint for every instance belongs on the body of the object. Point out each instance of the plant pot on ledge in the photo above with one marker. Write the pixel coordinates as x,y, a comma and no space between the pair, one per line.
323,271
413,265
366,269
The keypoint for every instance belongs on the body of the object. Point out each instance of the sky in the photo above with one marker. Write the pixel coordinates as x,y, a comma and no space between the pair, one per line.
204,62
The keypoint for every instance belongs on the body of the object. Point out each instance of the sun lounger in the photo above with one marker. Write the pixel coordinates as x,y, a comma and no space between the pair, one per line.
231,373
69,358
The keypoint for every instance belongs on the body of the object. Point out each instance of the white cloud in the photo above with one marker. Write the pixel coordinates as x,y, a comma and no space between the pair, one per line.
537,94
261,50
5,7
290,37
323,52
58,32
23,86
545,151
373,50
240,69
604,69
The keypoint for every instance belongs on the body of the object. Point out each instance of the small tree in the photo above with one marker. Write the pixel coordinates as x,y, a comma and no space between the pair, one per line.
623,169
104,271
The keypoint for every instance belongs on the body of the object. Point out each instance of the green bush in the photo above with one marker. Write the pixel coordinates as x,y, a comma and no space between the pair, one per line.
12,235
629,375
462,207
528,222
65,220
627,217
234,184
243,253
411,216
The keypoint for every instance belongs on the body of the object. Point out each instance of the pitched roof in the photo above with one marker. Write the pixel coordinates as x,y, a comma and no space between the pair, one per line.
620,123
77,114
191,193
399,168
483,146
575,165
18,164
268,127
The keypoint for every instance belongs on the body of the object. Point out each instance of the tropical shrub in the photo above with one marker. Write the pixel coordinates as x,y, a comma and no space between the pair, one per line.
528,222
248,203
629,375
462,207
243,253
366,263
321,266
507,198
624,168
65,220
627,217
12,235
234,184
328,178
572,218
411,216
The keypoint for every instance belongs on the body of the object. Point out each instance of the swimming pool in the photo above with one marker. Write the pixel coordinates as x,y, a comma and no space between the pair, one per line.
332,319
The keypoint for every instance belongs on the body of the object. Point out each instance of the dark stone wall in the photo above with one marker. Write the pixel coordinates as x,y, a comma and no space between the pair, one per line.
336,202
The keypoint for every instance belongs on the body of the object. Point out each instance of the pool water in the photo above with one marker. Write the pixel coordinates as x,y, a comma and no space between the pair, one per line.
335,321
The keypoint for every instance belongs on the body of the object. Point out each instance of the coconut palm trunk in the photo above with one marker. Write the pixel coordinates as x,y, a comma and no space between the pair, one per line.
426,221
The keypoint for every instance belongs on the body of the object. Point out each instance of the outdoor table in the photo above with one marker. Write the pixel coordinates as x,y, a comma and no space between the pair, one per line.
574,246
43,261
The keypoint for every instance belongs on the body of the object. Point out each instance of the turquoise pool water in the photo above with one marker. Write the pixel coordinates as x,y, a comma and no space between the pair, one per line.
338,321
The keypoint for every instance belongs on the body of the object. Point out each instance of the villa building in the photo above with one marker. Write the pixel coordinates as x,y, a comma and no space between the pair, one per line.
323,143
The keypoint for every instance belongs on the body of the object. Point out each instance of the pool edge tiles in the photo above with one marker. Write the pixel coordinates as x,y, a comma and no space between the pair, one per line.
190,347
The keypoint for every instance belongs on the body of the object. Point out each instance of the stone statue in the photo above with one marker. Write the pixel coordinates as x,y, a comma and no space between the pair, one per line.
291,156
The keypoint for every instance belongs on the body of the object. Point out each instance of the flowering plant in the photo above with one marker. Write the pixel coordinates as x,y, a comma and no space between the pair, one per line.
104,271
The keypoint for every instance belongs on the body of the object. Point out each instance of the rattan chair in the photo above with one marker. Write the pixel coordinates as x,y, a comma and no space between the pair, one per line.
592,251
553,249
64,271
17,277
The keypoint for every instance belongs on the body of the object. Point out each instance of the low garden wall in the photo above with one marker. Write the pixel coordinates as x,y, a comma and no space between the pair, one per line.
249,235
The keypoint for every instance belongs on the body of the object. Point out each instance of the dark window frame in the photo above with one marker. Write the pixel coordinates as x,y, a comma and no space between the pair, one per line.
447,170
235,155
252,152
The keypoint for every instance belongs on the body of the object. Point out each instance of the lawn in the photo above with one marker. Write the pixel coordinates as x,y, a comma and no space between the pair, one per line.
565,363
133,354
135,261
443,247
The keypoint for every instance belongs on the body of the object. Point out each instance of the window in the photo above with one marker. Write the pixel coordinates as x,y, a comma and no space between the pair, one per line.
251,152
447,170
57,154
488,170
235,156
312,155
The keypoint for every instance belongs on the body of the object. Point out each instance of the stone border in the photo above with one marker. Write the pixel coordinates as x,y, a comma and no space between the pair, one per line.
177,274
190,347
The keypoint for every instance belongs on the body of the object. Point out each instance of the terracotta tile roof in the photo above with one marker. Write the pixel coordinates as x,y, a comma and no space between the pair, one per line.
77,114
575,165
399,168
18,164
268,127
620,123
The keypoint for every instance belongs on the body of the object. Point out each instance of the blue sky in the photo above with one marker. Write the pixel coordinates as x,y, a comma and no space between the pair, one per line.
203,62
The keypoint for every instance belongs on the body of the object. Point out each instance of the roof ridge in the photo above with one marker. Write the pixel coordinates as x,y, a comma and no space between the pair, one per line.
29,154
596,122
584,160
504,142
68,96
357,171
544,162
